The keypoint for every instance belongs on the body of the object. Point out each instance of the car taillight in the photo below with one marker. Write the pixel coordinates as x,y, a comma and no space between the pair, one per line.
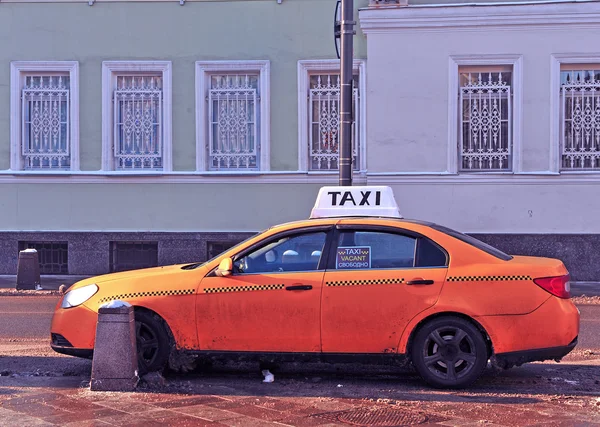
557,285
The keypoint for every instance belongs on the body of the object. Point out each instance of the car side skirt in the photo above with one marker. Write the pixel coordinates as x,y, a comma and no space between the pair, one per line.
392,359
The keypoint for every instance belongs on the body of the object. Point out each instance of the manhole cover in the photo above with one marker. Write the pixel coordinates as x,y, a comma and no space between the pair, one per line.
383,417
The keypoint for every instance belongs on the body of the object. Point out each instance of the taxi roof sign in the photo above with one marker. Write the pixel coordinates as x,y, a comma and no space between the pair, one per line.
340,201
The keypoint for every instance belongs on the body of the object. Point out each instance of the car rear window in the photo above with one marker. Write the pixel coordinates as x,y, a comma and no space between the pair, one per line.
473,242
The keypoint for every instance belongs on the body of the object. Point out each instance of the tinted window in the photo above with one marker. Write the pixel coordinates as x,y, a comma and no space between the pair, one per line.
371,249
291,253
429,254
473,242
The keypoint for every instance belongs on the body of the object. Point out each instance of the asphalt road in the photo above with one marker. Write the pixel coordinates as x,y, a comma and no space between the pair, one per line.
30,317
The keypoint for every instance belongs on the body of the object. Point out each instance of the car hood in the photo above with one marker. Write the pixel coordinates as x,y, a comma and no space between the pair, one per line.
132,274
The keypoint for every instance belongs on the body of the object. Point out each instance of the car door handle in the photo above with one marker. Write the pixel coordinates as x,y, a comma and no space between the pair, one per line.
420,282
298,288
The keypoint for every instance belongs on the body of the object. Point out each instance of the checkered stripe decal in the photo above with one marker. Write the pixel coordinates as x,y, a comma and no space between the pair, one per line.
247,288
365,282
149,294
487,278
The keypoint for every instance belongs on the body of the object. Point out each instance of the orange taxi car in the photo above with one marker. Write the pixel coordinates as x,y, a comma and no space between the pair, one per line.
356,281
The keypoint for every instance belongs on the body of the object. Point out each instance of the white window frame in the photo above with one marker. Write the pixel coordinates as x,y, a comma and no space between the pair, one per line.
204,69
18,71
456,61
110,70
325,66
556,60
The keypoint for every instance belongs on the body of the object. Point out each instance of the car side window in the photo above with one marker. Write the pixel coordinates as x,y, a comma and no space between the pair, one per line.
374,249
300,252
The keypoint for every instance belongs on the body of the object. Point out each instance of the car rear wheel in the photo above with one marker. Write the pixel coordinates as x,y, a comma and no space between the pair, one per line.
449,352
152,341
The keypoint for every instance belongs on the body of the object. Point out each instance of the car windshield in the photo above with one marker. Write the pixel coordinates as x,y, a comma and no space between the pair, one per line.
473,242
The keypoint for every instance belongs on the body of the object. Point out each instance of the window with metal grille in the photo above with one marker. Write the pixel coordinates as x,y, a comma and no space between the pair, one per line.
133,255
580,117
45,122
138,122
216,248
53,256
324,122
486,118
233,115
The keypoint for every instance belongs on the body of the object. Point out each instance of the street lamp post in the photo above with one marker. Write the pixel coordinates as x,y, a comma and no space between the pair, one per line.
346,33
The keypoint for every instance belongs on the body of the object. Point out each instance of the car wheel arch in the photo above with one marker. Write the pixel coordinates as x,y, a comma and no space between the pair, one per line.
429,318
139,308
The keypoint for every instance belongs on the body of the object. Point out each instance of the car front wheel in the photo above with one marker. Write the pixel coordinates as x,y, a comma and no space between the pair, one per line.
152,341
449,352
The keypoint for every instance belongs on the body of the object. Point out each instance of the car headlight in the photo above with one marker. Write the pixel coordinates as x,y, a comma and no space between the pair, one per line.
78,296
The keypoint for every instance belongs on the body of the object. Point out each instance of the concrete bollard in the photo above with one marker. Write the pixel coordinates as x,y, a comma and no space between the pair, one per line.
28,270
114,365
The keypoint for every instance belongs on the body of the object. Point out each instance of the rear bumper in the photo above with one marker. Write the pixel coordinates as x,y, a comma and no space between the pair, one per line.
555,324
517,358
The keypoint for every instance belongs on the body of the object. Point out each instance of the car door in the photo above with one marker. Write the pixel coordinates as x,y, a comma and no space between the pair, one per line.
270,302
377,280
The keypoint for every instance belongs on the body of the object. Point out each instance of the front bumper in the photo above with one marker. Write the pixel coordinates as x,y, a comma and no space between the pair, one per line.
60,345
73,331
517,358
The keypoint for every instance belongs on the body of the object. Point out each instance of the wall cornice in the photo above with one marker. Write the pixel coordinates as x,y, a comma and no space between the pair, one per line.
481,16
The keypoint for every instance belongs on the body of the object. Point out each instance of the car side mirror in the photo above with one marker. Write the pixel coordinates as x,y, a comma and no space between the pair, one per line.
225,268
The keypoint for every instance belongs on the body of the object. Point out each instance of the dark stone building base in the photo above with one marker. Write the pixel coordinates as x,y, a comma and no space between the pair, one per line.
89,253
577,251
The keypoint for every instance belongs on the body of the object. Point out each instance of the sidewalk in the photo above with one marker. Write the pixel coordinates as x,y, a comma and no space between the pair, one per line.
53,282
48,282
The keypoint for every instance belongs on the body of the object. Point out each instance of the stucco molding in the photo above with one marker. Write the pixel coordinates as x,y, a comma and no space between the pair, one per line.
555,117
481,17
454,62
109,71
203,71
381,178
18,70
312,66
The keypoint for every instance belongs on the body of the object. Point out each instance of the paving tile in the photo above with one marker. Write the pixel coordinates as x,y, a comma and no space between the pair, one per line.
28,399
251,422
189,401
70,404
11,418
131,420
277,404
208,413
85,415
39,410
254,411
130,407
181,420
88,423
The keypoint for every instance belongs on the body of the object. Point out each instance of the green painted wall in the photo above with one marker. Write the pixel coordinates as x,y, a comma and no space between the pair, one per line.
152,206
261,29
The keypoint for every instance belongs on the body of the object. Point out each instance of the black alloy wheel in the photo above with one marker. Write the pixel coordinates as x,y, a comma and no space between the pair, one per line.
449,352
152,342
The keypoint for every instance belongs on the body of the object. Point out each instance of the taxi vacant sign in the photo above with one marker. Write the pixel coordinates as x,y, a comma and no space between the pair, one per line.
353,257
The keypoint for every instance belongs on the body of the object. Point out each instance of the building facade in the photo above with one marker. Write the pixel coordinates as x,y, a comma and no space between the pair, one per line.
157,132
486,117
138,133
